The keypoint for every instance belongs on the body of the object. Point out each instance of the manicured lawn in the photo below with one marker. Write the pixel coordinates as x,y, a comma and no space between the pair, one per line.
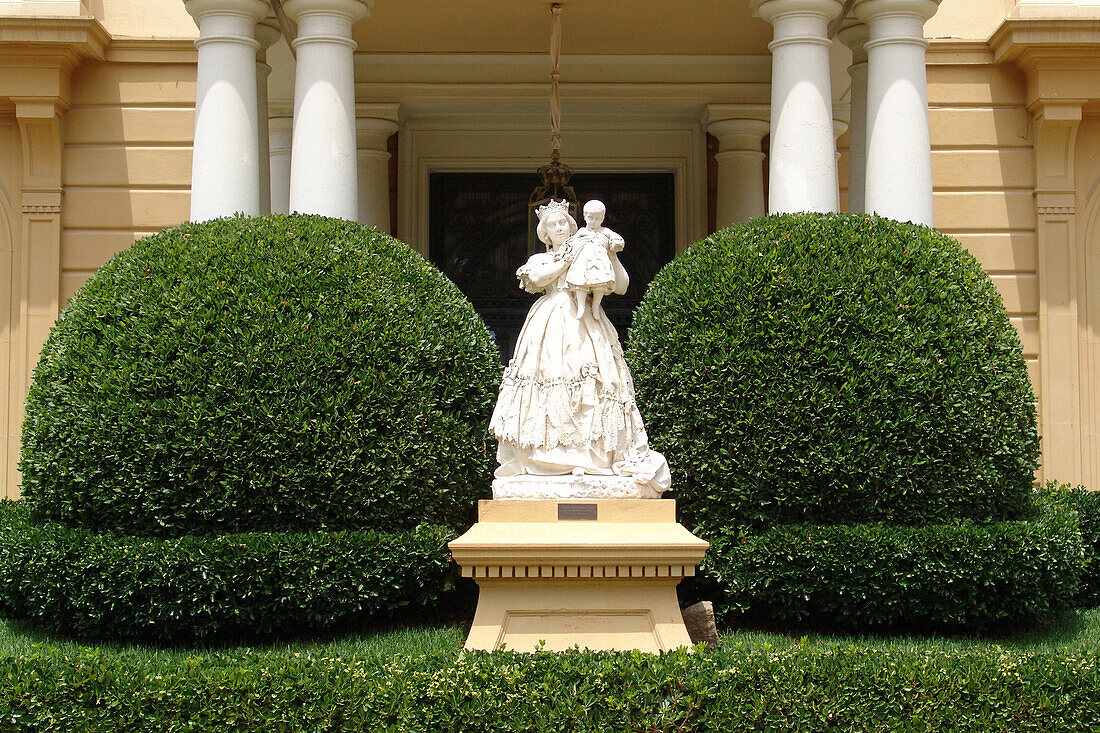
1073,634
419,680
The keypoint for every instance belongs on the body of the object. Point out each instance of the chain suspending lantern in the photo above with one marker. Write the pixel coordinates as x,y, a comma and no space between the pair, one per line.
554,176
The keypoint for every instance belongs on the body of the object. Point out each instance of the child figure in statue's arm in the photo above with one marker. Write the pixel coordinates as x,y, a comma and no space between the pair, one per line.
592,270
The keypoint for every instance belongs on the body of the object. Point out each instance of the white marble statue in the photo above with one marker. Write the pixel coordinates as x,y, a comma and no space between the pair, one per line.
565,417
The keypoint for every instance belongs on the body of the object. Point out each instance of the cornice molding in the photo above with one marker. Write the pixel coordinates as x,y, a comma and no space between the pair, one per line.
73,38
153,51
1026,41
955,52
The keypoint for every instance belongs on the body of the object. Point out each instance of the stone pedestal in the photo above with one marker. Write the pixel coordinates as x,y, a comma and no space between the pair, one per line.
598,574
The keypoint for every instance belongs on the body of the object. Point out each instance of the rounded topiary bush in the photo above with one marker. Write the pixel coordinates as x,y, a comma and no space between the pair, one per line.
834,369
283,374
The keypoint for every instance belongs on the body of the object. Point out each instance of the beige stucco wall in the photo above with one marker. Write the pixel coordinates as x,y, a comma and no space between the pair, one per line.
143,18
983,172
967,19
126,167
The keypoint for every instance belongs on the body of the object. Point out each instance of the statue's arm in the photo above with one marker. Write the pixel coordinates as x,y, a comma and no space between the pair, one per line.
540,272
622,279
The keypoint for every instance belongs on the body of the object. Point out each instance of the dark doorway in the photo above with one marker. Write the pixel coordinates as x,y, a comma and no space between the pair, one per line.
478,238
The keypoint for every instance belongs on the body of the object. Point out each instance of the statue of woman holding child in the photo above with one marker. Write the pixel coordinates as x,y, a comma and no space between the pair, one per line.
566,403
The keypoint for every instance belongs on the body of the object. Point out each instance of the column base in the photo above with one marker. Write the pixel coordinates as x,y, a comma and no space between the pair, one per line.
555,574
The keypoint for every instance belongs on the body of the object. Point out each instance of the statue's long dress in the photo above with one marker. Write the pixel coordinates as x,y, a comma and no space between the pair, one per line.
566,399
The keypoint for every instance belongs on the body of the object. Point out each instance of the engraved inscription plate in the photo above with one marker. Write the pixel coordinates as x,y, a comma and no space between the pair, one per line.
584,512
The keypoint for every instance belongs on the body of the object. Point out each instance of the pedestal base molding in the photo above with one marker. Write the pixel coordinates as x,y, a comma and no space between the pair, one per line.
554,574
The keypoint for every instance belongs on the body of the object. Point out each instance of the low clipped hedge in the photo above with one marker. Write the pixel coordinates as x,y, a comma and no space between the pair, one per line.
1087,505
285,373
834,369
804,686
948,577
74,582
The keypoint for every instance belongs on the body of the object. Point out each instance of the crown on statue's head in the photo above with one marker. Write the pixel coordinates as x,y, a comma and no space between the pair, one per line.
554,207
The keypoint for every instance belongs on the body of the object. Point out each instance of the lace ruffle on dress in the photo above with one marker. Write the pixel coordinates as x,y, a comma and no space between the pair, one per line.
567,398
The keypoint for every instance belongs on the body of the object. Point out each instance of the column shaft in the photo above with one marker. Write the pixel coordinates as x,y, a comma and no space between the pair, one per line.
740,165
263,140
267,33
281,131
854,37
375,124
225,164
323,176
802,156
899,148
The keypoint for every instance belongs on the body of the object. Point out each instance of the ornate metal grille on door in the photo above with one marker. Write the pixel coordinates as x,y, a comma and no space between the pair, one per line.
478,237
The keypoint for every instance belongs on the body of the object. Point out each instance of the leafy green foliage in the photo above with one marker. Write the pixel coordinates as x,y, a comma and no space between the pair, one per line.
262,375
74,582
834,369
798,685
950,577
1087,505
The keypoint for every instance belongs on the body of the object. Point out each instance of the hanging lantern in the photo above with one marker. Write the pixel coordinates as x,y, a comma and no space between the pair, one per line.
554,176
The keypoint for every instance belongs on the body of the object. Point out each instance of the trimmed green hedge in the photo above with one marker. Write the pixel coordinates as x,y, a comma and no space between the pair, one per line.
192,589
262,375
1087,505
877,576
806,686
834,369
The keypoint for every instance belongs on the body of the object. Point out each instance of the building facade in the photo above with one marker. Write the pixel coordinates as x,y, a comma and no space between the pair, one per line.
981,117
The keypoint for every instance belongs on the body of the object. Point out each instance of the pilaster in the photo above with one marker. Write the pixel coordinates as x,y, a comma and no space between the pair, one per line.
39,250
1059,301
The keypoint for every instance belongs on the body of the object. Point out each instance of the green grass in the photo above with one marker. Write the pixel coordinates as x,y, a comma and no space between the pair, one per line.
17,641
416,679
1077,633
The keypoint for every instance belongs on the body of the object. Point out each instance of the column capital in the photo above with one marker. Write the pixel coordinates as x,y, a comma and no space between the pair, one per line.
867,10
770,10
268,33
254,9
364,113
854,34
374,123
354,9
736,133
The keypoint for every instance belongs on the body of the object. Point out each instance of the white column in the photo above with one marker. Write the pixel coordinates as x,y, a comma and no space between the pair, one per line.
225,165
374,124
282,129
854,36
802,170
267,33
740,164
899,148
323,159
